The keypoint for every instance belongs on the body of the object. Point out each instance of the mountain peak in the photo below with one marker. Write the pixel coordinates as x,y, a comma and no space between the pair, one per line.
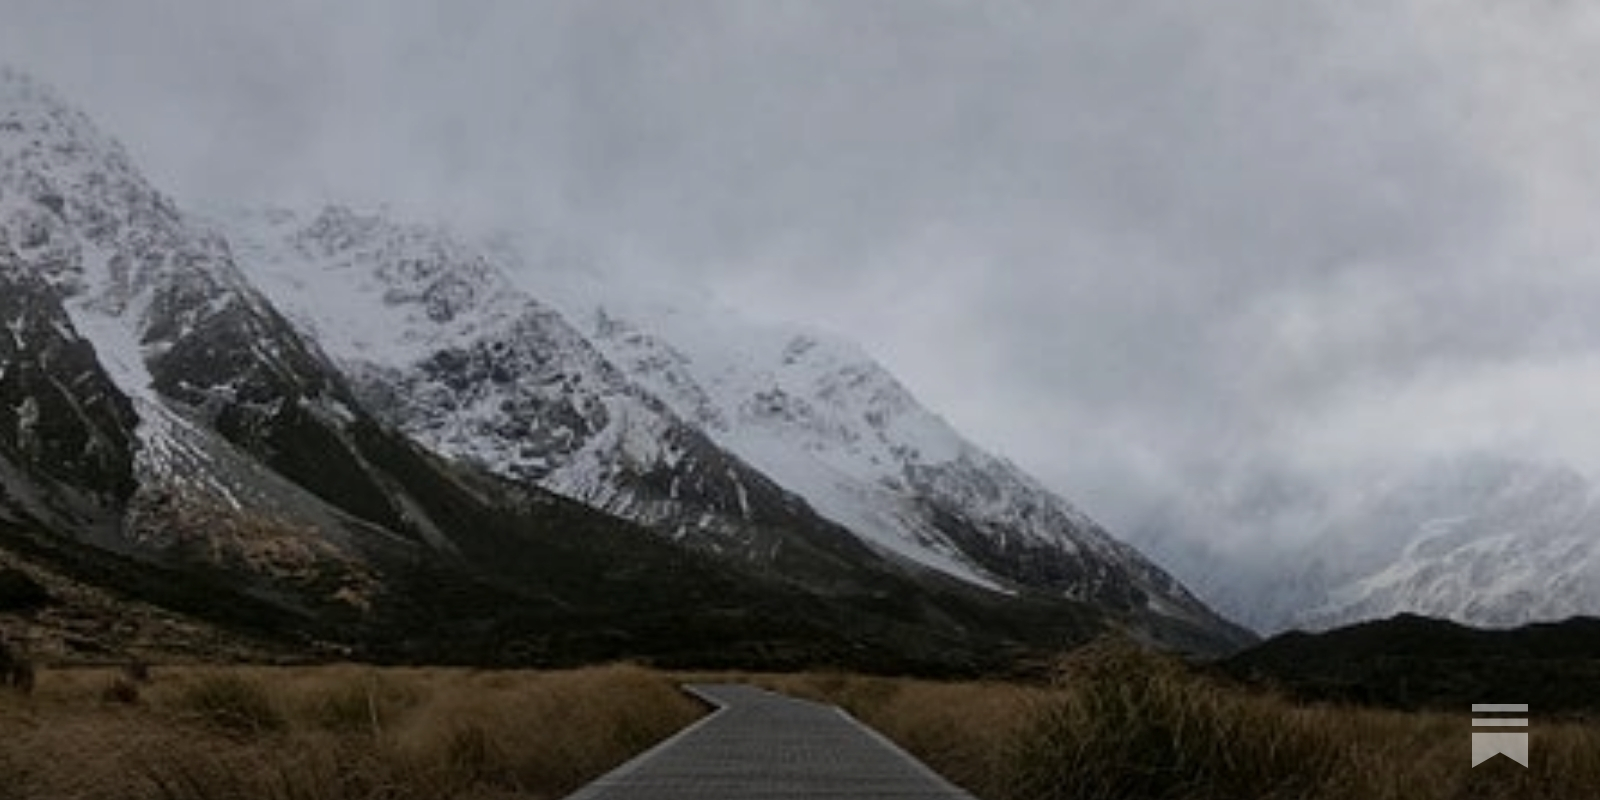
27,101
50,146
77,210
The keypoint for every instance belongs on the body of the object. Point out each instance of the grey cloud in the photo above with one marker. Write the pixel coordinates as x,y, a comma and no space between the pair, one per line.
1148,249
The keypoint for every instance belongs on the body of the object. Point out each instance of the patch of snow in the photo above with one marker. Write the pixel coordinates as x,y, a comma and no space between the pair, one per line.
888,522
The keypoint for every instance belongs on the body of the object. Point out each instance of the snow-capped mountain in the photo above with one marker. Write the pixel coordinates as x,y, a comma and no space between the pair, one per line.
714,430
344,426
1478,539
1484,541
199,369
439,342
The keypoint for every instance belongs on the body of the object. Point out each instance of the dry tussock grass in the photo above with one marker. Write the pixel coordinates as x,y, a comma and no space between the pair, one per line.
1118,723
330,733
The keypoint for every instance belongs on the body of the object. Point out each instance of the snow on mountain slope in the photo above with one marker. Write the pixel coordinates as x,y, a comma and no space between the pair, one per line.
1485,541
847,471
826,421
452,342
440,343
1479,539
194,350
798,424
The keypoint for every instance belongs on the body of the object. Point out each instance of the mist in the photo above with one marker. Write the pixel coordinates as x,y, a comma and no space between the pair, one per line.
1154,252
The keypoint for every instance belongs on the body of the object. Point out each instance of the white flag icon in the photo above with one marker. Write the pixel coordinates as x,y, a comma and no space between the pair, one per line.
1487,745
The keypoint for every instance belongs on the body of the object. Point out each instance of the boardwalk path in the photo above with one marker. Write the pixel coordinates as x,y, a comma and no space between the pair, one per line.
764,746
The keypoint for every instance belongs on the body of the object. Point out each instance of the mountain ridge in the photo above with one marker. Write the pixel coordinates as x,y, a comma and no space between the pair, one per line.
935,500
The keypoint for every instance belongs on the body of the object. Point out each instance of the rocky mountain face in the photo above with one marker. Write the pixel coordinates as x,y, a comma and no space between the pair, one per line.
374,433
438,341
66,432
1480,540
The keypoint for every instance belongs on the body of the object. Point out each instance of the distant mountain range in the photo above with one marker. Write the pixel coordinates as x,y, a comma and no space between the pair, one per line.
1480,539
339,431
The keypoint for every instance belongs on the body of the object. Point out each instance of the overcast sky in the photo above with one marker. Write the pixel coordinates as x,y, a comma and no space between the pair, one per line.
1142,248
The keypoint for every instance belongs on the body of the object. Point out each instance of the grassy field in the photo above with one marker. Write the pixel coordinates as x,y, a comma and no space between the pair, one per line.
328,733
1116,723
1113,723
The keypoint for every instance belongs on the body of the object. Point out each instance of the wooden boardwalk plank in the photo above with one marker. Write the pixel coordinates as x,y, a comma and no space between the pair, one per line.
759,745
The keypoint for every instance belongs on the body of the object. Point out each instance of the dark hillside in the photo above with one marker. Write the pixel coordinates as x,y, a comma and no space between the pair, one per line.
1414,662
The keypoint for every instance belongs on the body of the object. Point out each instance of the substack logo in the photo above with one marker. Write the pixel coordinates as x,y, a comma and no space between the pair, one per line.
1488,744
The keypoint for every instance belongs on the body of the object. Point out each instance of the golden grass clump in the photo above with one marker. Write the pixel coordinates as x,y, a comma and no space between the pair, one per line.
961,729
